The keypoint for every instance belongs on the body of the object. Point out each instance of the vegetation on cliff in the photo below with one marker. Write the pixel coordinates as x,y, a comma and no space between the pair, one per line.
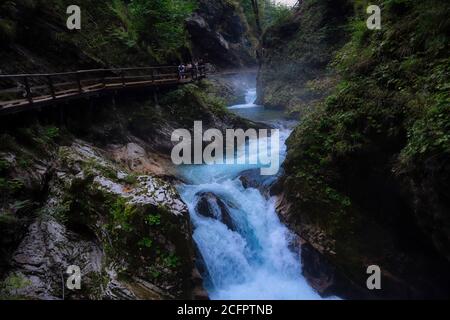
99,189
368,166
114,33
296,52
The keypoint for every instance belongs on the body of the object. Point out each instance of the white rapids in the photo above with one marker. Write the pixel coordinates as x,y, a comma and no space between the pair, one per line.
254,262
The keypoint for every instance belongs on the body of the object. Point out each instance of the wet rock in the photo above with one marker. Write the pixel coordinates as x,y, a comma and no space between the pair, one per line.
44,256
254,179
137,159
75,226
209,205
199,292
220,33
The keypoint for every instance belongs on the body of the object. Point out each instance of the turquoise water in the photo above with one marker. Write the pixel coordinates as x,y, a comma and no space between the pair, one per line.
255,260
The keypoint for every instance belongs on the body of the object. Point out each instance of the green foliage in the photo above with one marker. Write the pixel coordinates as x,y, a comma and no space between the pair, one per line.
10,186
171,261
155,273
389,113
275,13
430,134
146,243
270,12
7,30
114,32
4,166
153,219
130,179
187,102
94,167
12,283
300,48
61,211
122,214
155,26
51,133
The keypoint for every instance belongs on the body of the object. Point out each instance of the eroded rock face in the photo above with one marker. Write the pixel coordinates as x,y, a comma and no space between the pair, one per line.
209,205
106,187
220,34
137,159
44,255
114,225
295,55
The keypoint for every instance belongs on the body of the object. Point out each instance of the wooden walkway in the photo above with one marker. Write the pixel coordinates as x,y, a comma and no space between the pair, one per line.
27,91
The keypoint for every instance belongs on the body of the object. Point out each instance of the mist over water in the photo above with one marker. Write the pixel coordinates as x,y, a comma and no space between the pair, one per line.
250,98
254,261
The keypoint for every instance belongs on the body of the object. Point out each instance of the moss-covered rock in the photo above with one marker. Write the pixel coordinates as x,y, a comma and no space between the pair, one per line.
221,35
296,52
366,168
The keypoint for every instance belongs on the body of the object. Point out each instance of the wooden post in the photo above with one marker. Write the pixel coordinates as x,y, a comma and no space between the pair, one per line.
28,90
51,86
104,78
155,95
61,115
122,76
80,86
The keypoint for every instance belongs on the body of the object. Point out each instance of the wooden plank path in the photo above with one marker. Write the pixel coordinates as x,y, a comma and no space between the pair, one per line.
27,91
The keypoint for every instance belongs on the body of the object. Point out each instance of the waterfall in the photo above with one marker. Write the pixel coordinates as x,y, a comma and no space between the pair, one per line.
250,98
254,259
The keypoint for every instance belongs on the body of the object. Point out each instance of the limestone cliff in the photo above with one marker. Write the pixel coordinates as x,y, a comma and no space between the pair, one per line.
98,191
220,34
296,52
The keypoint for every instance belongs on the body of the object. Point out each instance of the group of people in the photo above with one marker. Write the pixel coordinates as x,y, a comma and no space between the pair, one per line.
195,69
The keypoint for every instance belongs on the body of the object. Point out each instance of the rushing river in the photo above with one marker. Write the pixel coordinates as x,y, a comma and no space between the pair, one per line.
255,261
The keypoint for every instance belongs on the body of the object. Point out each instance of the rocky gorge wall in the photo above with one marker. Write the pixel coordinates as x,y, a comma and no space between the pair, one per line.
91,183
97,191
296,52
34,37
220,34
367,166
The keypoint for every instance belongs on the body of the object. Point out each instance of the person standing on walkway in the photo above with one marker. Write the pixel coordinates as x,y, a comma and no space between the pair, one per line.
181,71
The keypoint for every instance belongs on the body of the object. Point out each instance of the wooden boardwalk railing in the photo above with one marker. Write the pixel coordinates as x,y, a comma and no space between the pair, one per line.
24,91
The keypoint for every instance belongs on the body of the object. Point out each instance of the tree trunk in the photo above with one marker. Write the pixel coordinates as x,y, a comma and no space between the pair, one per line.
255,5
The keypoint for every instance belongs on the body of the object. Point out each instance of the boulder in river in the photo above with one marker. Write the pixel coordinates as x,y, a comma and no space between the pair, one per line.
209,205
253,179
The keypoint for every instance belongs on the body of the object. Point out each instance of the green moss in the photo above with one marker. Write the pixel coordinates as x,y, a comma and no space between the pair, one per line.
122,214
4,166
51,133
187,102
146,243
93,166
386,122
298,49
11,186
131,179
12,283
153,219
171,261
8,30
